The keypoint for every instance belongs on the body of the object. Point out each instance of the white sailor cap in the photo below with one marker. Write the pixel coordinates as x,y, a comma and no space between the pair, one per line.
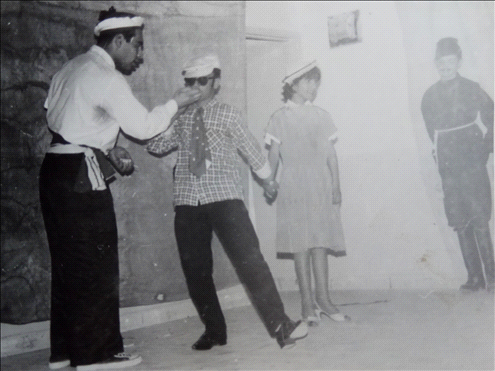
118,22
298,69
201,66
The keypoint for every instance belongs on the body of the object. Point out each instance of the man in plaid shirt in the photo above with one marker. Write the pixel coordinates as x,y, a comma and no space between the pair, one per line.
208,197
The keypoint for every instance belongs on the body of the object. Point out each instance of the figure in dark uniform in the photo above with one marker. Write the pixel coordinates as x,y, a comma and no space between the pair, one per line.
459,119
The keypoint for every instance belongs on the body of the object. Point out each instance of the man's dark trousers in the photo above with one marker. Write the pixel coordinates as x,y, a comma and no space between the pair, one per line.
230,221
82,236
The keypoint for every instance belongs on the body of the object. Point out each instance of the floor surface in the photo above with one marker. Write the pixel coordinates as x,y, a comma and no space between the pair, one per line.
390,330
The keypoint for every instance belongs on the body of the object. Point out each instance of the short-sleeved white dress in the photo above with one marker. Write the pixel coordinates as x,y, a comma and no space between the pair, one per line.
306,216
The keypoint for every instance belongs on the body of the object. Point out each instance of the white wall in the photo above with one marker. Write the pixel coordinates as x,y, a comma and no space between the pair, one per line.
391,225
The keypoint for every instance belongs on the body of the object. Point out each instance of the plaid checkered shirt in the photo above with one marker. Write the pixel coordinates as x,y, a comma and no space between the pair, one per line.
226,135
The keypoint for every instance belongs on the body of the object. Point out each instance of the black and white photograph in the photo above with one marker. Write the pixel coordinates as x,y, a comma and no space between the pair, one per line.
247,185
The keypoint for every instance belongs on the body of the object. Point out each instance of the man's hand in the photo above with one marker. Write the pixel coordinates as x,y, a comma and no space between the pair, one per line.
186,96
179,112
121,160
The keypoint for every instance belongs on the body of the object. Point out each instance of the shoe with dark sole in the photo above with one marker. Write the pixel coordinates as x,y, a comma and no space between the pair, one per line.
55,364
208,341
120,360
289,332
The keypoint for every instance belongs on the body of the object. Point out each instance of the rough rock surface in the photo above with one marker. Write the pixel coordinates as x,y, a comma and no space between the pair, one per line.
37,39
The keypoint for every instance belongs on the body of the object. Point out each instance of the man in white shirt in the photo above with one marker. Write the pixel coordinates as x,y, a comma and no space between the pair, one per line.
88,103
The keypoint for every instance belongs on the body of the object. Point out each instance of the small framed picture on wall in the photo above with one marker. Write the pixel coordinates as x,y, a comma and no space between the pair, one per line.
344,28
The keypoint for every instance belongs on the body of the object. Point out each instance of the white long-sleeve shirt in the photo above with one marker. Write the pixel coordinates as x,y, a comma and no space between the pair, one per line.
89,101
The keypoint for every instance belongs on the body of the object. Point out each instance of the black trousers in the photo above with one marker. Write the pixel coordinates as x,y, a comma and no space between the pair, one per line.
467,195
230,221
82,236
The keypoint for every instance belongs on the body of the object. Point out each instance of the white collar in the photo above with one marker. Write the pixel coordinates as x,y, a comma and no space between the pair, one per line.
103,54
290,103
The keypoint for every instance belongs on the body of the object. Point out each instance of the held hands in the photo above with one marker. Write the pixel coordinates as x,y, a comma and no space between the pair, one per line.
121,160
271,190
186,96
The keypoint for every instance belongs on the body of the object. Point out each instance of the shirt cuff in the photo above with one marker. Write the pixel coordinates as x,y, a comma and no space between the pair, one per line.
265,171
333,137
269,138
172,106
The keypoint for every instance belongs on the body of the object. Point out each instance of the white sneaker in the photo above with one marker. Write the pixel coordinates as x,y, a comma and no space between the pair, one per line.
289,332
55,365
120,360
339,317
300,331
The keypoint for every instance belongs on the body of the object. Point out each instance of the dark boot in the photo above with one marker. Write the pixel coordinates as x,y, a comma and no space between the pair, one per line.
473,284
485,247
472,260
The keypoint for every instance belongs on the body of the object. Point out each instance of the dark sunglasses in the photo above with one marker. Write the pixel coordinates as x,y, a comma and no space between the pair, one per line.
203,80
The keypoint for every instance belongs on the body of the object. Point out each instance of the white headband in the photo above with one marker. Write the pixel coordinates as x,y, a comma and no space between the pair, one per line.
118,22
297,71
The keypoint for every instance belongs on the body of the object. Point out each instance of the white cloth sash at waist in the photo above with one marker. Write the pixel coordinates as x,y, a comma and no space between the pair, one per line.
94,172
477,122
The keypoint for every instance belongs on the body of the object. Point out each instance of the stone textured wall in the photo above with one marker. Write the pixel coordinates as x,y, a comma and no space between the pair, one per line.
37,38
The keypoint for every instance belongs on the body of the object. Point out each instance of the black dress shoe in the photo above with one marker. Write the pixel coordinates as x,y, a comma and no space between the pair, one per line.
291,331
474,284
207,341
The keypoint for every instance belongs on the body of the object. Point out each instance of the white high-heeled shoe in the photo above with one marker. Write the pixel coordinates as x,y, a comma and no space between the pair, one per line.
312,320
337,317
